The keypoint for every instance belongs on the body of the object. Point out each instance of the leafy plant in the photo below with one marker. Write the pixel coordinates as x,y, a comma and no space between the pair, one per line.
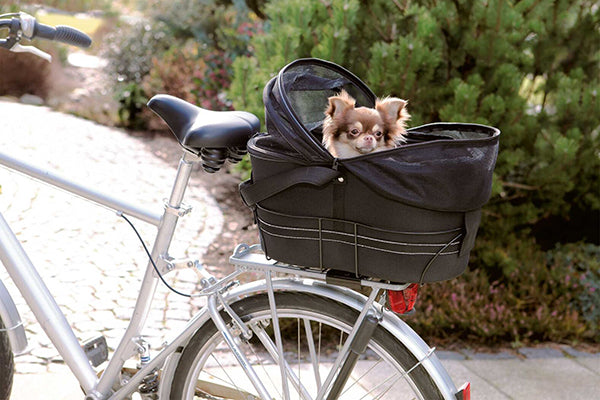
131,48
550,298
132,103
185,49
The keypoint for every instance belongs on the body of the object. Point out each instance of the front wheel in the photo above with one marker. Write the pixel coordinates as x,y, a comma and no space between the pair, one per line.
313,330
6,364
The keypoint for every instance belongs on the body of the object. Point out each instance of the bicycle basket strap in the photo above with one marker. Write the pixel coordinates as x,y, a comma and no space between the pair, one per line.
254,192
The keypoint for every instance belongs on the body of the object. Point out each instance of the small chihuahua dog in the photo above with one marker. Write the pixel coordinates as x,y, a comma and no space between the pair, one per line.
350,131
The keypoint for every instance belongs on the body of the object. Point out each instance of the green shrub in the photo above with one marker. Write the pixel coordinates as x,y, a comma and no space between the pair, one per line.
174,71
581,266
130,49
185,49
553,297
75,5
132,106
192,74
214,24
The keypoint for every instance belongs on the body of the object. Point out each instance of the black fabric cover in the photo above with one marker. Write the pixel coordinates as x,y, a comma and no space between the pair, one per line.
297,97
450,171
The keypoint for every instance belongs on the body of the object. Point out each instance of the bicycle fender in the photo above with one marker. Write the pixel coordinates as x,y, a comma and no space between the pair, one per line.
390,322
12,322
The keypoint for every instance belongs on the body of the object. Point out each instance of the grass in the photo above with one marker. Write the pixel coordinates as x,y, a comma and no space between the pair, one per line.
84,23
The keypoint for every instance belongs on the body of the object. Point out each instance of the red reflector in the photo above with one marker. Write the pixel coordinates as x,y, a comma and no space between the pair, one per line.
464,393
403,301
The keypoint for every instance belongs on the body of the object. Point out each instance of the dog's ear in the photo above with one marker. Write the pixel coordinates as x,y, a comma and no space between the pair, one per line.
339,104
392,109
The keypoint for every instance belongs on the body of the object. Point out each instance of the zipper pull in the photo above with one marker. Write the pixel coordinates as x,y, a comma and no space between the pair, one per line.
335,164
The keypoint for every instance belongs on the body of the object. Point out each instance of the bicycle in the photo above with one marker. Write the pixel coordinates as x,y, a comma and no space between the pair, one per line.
268,324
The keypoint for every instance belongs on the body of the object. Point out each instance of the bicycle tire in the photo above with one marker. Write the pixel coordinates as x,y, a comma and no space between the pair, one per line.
7,363
196,356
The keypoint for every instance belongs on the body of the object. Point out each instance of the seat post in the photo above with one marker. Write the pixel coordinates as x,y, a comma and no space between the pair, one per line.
173,206
182,178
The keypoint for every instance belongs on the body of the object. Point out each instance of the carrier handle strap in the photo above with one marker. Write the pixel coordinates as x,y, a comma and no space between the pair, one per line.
255,192
472,221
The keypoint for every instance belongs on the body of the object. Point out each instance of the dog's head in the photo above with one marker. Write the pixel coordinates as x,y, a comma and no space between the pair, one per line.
349,131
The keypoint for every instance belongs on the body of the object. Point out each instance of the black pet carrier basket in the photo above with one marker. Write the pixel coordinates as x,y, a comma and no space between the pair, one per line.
409,214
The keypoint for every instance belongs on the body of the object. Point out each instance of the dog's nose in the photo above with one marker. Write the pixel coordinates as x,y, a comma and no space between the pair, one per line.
369,138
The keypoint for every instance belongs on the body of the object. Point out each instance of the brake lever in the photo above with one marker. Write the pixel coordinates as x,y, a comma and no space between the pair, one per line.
24,27
18,48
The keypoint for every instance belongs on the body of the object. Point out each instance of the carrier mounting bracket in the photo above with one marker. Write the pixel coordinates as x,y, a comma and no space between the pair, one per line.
338,278
180,263
180,211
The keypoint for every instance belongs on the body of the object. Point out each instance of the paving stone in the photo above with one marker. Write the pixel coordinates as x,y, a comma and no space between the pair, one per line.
178,315
30,359
44,353
577,353
449,355
474,355
543,378
102,316
592,364
540,352
29,368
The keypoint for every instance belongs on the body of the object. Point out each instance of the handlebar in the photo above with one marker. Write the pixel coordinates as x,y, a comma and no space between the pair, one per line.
24,25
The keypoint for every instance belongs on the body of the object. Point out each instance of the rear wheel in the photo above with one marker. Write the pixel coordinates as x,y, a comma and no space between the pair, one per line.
313,330
6,364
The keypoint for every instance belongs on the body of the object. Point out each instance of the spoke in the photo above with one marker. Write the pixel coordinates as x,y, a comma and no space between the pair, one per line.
400,376
362,376
264,369
299,349
311,349
346,348
270,347
277,333
202,386
239,355
396,377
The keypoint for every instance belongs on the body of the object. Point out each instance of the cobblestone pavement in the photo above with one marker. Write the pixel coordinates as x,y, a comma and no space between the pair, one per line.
90,258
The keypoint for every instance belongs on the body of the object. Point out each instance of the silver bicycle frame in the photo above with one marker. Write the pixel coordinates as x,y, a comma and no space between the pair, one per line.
43,305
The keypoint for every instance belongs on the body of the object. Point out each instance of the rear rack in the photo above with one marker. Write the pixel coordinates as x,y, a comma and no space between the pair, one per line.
252,257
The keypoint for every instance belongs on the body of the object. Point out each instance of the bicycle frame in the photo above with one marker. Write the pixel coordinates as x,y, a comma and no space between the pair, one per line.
43,305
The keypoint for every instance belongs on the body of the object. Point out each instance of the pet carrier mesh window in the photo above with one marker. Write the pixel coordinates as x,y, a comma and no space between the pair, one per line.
408,214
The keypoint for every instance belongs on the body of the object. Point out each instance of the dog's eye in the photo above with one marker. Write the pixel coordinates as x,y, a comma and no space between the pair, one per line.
354,132
378,134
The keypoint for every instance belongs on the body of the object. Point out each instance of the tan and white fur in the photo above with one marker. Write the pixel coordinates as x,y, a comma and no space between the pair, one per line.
350,131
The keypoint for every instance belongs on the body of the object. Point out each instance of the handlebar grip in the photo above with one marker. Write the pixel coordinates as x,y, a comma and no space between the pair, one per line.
62,33
69,35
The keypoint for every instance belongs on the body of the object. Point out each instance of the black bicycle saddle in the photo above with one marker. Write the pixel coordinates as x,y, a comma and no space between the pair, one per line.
196,128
